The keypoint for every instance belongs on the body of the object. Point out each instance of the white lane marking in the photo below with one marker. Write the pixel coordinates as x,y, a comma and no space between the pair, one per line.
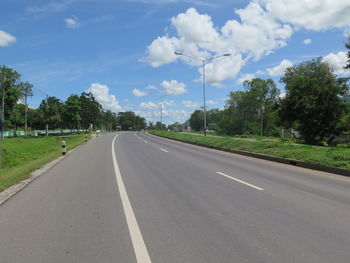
145,141
140,249
240,181
163,150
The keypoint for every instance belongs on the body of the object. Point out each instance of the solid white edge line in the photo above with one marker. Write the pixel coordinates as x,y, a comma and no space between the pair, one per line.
240,181
163,150
140,249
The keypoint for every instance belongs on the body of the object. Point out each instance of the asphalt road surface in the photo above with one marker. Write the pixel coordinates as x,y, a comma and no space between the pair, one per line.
139,198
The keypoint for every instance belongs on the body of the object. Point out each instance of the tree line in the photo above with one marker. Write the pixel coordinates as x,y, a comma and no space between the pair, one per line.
77,112
316,104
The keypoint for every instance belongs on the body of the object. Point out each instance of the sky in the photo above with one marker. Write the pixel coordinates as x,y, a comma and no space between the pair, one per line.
123,50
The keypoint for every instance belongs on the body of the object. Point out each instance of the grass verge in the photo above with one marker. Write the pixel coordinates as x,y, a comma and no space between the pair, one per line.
330,156
21,156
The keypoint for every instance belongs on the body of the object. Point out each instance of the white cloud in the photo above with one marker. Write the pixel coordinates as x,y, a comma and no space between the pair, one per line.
151,87
102,95
190,104
255,36
279,69
149,105
211,102
173,87
139,93
310,14
6,39
219,85
307,41
71,22
263,27
245,77
337,62
168,103
169,116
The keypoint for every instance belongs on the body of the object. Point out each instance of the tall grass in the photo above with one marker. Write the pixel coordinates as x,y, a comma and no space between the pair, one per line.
331,156
20,156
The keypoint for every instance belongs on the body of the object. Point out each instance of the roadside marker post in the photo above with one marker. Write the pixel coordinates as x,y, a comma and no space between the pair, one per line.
64,148
86,137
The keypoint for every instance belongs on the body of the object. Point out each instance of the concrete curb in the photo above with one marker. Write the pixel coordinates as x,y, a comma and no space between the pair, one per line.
313,166
13,190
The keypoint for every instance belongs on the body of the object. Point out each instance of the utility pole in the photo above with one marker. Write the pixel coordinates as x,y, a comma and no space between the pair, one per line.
2,121
262,119
47,125
27,87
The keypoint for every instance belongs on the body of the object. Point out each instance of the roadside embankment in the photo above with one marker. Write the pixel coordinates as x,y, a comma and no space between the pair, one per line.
328,159
21,156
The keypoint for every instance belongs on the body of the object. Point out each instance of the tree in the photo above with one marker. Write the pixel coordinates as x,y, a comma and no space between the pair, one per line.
160,126
251,111
35,119
17,117
10,92
313,100
71,112
347,45
27,89
128,120
51,109
196,120
110,120
90,111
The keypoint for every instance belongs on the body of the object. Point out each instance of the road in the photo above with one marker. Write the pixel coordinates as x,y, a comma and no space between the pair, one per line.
139,198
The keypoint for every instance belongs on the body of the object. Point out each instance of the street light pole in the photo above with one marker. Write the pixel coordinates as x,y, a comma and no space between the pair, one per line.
2,121
161,109
204,61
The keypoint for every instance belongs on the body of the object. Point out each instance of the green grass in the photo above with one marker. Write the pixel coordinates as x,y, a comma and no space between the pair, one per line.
20,156
331,156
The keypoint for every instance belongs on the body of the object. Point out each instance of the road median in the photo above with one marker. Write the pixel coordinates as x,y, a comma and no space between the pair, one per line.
327,159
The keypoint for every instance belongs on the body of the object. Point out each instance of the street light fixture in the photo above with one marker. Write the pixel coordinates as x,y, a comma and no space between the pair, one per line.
161,108
204,61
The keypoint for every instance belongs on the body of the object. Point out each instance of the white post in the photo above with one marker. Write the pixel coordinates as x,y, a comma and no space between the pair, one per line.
64,148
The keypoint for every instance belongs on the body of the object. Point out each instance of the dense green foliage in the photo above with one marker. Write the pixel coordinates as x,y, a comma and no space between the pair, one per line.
252,111
313,101
332,156
77,112
316,105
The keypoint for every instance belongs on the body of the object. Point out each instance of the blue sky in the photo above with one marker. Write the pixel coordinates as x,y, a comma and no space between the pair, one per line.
123,51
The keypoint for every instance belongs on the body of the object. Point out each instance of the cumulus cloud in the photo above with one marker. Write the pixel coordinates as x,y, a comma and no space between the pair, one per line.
71,22
211,102
337,62
149,105
168,103
190,104
245,77
173,87
169,116
139,93
310,14
6,39
262,27
279,69
254,36
151,87
307,41
102,95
